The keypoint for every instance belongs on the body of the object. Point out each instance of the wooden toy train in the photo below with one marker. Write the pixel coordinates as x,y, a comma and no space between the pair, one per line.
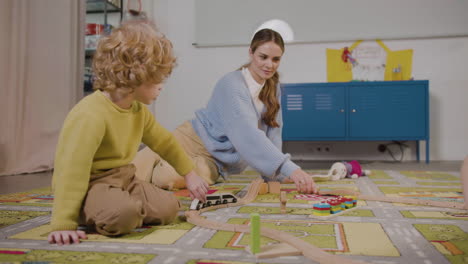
213,199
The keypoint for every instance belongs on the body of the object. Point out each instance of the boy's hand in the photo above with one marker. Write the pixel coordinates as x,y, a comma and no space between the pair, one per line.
304,182
66,237
197,186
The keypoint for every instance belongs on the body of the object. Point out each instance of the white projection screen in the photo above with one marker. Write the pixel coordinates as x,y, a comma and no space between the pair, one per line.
232,22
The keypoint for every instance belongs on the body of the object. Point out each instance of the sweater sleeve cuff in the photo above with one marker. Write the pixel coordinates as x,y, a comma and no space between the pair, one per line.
186,168
61,227
287,169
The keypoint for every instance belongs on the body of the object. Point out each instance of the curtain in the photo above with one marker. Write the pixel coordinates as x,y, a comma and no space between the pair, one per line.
41,78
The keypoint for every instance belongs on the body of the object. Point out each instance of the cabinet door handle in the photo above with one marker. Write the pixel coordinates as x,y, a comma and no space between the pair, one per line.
354,110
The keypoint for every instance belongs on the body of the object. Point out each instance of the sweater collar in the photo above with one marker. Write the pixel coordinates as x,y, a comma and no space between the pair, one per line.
111,104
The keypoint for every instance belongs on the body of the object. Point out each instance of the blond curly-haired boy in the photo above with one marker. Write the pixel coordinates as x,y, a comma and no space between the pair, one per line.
94,181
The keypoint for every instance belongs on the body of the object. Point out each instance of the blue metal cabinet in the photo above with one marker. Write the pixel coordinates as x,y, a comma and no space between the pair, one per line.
358,111
307,112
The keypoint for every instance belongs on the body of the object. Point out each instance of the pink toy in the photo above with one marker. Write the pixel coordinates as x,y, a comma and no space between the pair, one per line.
351,169
354,168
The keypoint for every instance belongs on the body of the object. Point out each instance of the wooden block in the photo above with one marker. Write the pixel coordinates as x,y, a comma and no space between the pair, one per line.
263,188
283,201
274,187
283,198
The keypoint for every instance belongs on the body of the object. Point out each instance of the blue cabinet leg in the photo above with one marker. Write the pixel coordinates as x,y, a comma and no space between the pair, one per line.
417,151
427,151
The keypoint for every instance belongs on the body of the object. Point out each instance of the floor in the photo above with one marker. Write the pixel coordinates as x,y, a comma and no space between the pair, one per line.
404,234
24,182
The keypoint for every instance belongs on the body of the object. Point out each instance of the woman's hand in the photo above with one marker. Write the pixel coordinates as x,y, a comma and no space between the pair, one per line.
304,182
66,237
197,186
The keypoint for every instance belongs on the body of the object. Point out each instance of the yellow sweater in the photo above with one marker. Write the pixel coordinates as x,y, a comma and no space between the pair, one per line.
97,135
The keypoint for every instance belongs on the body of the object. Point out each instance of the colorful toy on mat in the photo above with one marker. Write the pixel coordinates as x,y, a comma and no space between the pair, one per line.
322,209
351,169
340,170
333,204
350,201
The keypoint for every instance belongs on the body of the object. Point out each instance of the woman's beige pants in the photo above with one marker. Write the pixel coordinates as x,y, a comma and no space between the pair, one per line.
151,168
117,202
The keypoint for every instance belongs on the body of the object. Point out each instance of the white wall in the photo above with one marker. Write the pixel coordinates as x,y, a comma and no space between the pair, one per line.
5,30
440,60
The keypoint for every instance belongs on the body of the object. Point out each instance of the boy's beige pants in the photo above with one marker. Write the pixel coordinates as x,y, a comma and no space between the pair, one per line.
151,168
117,202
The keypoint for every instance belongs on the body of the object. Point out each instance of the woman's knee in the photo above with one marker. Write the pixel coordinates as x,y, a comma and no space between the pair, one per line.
166,177
144,162
207,170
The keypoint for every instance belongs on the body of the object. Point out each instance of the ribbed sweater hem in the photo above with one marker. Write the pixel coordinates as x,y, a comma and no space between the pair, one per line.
60,227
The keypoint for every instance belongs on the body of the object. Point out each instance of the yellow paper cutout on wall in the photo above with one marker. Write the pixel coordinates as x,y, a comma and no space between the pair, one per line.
402,59
340,71
337,69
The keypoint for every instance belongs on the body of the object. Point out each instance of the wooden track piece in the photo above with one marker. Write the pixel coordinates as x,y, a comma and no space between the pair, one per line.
308,250
252,192
411,201
277,250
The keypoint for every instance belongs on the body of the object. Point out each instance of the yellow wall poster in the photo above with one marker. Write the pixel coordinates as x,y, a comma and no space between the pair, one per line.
343,65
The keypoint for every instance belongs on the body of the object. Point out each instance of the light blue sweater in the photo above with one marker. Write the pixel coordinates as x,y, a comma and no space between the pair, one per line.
229,128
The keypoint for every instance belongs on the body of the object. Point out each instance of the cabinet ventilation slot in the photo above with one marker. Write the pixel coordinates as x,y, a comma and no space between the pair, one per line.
294,102
323,101
401,101
368,102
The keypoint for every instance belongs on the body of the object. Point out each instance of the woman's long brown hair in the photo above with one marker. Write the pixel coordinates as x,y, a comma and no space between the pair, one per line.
268,93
